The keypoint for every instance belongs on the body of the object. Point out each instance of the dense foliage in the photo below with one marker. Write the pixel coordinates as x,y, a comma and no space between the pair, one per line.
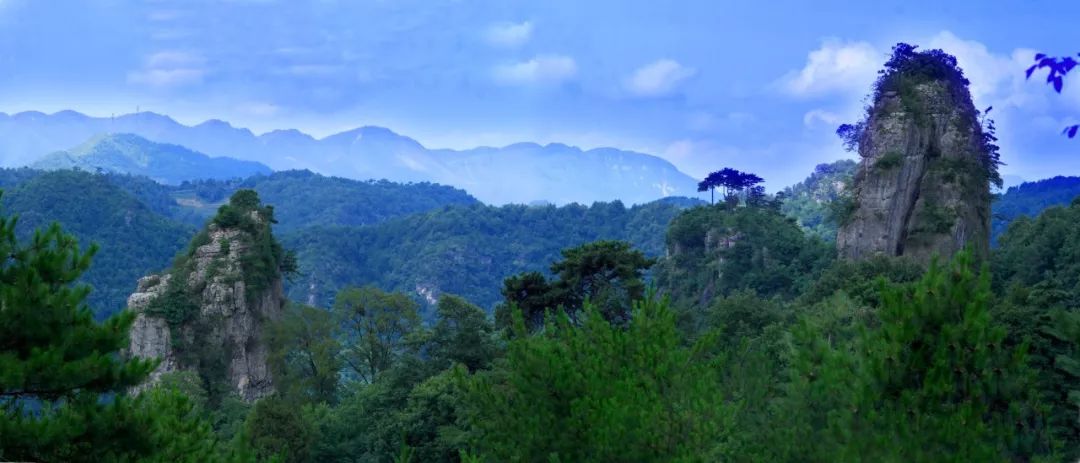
1036,268
931,380
719,249
134,240
63,388
463,250
810,201
304,199
609,275
1029,199
596,391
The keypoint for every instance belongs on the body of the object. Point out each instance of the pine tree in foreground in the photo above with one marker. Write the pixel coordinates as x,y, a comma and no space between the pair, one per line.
932,381
63,384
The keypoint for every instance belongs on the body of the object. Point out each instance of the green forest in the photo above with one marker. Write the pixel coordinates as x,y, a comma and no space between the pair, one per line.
775,352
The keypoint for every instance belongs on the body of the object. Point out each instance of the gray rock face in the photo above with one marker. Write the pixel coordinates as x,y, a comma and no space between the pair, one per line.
229,325
920,188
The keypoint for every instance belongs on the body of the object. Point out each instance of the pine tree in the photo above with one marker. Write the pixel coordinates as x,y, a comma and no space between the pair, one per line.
55,360
933,381
595,391
63,386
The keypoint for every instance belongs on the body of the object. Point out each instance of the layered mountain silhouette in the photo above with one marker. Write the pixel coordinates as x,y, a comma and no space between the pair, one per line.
518,173
162,162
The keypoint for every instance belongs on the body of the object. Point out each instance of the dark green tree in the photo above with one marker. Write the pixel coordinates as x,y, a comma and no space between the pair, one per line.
305,354
933,381
531,294
610,274
279,428
732,182
462,335
63,386
376,326
597,392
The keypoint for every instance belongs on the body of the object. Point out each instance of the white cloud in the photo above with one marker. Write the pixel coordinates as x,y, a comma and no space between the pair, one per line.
166,77
820,116
173,58
658,78
835,67
543,69
169,68
509,35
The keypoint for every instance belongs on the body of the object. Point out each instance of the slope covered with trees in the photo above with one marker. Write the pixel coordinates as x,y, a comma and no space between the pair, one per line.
134,240
303,198
1031,198
463,250
812,201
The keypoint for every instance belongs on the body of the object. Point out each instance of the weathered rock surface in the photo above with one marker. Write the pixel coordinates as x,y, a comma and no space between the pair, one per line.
920,188
228,327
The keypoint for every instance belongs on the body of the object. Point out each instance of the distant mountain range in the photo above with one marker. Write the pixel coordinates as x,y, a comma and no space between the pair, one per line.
164,163
518,173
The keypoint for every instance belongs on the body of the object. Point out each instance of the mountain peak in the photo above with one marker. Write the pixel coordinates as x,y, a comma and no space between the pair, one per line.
215,123
133,154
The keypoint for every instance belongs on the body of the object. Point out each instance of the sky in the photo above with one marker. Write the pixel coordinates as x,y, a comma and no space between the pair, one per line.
705,84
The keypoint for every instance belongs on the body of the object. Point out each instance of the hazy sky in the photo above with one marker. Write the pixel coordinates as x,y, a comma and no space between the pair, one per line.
754,85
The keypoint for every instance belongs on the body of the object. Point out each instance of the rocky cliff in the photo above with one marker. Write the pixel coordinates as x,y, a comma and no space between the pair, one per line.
207,314
922,185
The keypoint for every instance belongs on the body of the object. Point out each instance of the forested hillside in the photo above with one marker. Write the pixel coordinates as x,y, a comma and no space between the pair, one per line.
463,250
810,201
1031,198
303,198
133,240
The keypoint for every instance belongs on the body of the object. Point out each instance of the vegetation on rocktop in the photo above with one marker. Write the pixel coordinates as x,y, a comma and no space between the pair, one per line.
262,263
811,201
715,250
906,74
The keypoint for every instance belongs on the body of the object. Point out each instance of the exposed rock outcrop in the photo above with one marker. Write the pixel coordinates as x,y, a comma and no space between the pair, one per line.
922,185
208,313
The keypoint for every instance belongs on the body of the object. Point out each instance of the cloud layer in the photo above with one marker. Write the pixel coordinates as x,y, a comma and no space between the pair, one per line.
509,35
543,69
658,78
835,67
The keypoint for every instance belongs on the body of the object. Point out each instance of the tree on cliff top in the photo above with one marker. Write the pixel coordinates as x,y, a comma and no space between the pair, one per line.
908,68
732,182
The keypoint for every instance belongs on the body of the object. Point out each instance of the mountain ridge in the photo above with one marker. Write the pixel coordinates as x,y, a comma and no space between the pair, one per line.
556,172
164,162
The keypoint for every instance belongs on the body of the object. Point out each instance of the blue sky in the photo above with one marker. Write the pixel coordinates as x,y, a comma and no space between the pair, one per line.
759,86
